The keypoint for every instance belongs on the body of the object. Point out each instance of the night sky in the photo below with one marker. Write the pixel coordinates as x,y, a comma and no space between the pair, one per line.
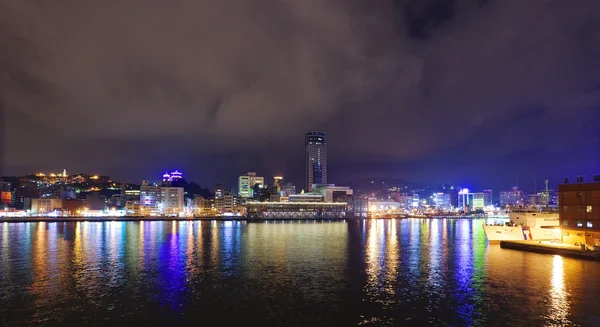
468,91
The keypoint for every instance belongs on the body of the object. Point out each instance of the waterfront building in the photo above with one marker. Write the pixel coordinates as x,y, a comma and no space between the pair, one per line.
305,210
5,193
316,159
357,207
224,201
332,193
442,201
41,206
95,202
305,197
171,200
470,201
404,199
384,207
246,184
132,202
72,206
25,190
149,199
579,212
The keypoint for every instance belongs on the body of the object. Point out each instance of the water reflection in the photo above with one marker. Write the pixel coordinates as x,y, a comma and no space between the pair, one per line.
559,306
372,272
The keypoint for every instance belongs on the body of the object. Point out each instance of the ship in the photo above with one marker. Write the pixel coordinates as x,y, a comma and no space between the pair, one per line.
523,225
535,223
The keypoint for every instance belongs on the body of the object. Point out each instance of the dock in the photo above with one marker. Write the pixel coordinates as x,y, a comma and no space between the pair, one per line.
565,250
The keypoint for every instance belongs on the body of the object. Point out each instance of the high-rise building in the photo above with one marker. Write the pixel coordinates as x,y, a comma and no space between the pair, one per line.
224,200
442,201
487,198
246,184
171,200
149,199
132,202
316,159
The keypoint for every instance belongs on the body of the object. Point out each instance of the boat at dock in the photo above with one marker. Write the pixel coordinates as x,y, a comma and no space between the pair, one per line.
523,225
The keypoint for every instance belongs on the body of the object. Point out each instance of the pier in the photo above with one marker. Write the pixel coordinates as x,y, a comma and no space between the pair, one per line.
552,248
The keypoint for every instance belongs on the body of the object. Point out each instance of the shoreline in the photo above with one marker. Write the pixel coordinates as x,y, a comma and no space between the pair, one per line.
108,219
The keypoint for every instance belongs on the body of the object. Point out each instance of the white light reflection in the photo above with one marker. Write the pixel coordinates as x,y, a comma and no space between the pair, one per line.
559,306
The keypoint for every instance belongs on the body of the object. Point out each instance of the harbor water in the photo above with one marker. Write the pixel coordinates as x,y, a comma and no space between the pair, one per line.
409,272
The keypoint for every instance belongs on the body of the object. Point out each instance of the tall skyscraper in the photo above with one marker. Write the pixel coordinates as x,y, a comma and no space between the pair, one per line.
316,159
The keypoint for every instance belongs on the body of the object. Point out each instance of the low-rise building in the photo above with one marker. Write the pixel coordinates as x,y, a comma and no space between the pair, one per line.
332,193
44,206
303,210
579,212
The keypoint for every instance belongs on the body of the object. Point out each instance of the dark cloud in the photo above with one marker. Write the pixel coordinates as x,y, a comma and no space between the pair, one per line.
412,88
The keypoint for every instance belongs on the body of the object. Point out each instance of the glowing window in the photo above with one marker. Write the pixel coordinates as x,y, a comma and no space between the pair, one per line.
588,209
579,223
589,224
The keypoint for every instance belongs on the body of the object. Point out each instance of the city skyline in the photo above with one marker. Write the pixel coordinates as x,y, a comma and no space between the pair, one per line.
394,95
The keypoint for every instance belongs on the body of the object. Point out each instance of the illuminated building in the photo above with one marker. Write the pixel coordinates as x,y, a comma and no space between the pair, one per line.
415,201
513,197
332,193
487,198
579,212
316,159
287,189
442,202
305,197
472,201
405,200
5,194
132,202
357,207
246,184
171,200
279,210
384,207
277,182
149,199
168,178
198,205
45,206
224,201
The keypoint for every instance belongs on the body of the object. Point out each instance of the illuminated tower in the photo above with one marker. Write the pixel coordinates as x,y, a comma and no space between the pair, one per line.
316,159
